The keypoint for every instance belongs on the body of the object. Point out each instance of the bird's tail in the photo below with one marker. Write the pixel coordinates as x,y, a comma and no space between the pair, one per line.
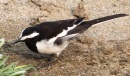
86,24
95,21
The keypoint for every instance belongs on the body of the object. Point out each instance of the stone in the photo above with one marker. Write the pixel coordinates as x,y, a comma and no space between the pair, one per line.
4,1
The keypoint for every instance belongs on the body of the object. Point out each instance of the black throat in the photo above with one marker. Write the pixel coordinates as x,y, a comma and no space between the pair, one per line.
31,44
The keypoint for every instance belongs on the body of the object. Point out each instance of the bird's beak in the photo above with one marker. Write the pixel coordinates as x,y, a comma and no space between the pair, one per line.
16,41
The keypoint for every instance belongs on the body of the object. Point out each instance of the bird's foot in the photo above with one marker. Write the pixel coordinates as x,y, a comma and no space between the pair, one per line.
50,60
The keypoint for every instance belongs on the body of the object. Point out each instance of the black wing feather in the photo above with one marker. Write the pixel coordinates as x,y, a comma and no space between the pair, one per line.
86,24
51,29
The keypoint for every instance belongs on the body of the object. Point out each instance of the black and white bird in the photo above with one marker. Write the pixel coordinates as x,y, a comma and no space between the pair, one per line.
53,37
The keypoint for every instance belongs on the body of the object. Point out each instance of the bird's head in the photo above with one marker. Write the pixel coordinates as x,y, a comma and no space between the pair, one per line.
27,34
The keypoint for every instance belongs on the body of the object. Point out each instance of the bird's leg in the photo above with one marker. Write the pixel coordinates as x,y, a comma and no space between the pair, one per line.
45,56
52,59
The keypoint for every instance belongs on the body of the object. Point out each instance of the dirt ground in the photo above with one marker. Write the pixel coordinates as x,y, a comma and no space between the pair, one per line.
104,48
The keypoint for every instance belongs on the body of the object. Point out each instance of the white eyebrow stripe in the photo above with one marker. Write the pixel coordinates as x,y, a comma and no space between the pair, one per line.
30,36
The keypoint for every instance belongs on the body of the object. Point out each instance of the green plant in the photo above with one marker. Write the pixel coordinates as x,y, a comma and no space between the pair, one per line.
12,69
2,41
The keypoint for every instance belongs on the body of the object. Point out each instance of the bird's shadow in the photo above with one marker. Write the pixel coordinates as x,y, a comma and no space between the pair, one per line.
22,50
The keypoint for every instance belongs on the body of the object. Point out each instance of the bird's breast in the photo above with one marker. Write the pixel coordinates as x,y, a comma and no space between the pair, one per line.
46,47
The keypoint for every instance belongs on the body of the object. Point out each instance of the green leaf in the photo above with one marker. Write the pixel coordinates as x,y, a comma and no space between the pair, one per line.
2,41
9,68
2,61
19,67
18,73
1,56
12,69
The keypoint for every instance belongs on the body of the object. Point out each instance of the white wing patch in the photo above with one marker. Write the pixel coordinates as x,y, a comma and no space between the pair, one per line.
34,34
63,33
69,37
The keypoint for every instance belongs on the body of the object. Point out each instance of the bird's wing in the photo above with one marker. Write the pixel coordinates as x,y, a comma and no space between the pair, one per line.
57,29
60,40
64,29
84,26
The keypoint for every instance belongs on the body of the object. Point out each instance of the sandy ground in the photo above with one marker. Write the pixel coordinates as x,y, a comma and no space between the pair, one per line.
104,48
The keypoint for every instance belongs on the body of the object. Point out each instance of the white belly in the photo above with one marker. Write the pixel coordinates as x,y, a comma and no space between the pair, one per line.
49,48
